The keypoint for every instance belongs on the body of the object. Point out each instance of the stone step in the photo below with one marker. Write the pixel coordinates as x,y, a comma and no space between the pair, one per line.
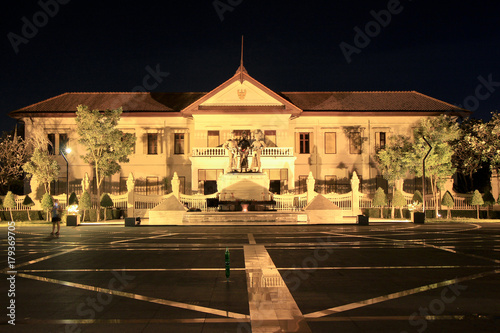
225,217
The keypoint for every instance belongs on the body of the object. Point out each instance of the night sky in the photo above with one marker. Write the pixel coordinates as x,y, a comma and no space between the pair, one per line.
449,50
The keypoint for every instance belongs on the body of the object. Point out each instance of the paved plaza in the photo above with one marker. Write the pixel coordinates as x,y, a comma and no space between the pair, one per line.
396,277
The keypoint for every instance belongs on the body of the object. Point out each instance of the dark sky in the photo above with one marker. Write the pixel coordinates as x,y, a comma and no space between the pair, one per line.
443,49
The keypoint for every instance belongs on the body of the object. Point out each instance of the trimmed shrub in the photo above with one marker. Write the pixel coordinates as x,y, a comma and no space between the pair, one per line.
106,202
417,196
47,204
380,200
28,202
85,203
448,202
73,199
9,203
477,200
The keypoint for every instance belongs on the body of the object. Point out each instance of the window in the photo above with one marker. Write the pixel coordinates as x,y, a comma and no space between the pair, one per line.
330,143
151,185
182,185
213,139
355,143
278,180
304,143
270,138
123,185
178,143
152,143
63,142
380,140
52,143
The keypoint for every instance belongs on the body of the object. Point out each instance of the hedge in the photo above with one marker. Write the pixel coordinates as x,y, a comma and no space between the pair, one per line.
430,213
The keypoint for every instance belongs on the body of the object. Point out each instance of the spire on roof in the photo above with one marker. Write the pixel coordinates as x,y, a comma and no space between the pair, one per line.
241,69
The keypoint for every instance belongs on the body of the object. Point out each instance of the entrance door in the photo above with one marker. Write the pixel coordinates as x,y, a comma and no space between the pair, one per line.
275,186
210,187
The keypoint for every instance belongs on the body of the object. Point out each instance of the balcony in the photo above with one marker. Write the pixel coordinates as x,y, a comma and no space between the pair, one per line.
221,152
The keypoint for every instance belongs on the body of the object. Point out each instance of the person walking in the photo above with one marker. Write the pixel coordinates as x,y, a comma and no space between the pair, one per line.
56,217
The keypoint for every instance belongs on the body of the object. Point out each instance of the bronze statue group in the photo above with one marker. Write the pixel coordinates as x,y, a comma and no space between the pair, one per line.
240,149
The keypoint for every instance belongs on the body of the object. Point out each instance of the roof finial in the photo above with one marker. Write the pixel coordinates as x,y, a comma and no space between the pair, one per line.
241,69
241,61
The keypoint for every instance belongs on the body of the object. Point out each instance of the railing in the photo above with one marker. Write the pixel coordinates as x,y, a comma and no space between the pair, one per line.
277,152
196,201
221,152
290,201
209,152
148,201
343,201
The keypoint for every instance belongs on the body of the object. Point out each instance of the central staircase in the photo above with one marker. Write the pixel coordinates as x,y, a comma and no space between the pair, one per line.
244,217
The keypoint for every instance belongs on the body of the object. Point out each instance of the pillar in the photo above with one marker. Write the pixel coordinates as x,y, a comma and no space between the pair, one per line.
176,183
130,195
310,187
355,194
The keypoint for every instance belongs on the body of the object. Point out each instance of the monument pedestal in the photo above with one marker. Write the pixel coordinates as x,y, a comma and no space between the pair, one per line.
250,186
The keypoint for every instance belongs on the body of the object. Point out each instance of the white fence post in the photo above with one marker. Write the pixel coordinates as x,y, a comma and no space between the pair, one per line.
355,194
176,183
310,187
130,195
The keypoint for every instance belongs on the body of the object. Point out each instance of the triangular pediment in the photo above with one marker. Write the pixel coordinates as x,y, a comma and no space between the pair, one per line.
241,93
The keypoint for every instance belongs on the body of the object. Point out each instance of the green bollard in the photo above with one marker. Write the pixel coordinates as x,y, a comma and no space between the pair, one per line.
228,265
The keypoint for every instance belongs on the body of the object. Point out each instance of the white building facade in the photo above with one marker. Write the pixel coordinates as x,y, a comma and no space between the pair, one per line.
330,134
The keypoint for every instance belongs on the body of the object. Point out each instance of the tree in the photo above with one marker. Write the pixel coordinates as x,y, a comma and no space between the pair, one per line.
448,201
417,197
47,203
487,142
467,159
105,145
477,200
73,199
13,154
398,200
43,167
440,132
395,161
380,200
85,203
106,202
489,201
28,202
9,202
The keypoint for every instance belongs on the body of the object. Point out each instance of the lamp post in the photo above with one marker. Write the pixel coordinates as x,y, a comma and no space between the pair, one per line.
66,150
423,173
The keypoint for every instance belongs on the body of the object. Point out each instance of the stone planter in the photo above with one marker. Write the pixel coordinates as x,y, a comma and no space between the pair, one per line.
418,217
362,220
72,220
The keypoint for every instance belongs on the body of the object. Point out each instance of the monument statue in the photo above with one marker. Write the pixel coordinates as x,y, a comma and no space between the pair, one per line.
231,145
244,150
257,146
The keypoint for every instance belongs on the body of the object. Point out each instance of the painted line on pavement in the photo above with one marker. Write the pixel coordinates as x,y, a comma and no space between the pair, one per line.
371,301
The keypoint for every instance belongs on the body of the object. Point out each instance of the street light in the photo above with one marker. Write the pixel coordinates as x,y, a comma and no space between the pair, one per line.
66,150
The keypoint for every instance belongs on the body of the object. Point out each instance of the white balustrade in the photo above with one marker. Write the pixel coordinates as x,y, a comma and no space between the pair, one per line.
221,152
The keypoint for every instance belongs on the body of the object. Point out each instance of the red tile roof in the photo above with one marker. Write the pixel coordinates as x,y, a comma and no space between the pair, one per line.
367,101
175,102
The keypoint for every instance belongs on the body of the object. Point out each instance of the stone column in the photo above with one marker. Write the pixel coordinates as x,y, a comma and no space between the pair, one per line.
310,187
130,195
176,183
355,194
